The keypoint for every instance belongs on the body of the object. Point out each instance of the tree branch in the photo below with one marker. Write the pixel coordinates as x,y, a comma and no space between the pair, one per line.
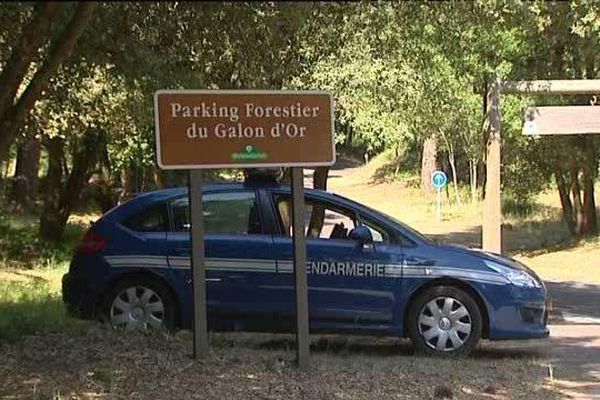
33,36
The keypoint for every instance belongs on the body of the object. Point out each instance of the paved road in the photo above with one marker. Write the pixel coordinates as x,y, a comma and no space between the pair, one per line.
573,349
575,336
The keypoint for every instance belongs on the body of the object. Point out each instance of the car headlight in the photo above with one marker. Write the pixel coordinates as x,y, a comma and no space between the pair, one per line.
517,277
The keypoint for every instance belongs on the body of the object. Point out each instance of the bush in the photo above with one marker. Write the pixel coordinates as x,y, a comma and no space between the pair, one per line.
519,206
20,243
30,277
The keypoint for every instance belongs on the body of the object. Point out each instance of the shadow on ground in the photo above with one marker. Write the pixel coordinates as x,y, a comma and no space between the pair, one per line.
388,347
527,237
574,297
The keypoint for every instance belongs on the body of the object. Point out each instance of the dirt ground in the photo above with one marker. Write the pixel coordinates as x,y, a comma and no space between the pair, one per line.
95,361
104,363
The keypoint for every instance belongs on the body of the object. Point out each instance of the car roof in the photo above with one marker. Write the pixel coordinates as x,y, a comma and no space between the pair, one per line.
215,187
141,200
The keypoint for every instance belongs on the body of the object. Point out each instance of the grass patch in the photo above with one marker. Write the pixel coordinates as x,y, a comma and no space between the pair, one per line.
31,303
30,276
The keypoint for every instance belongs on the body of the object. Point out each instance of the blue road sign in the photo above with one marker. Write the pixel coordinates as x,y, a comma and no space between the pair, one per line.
439,179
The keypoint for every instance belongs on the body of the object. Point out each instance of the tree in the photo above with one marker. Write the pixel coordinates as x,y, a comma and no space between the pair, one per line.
14,107
25,181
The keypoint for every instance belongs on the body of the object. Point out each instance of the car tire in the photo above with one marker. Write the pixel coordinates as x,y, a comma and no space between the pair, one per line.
444,321
140,303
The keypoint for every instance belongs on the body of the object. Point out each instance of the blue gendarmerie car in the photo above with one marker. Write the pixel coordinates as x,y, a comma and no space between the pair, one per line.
367,273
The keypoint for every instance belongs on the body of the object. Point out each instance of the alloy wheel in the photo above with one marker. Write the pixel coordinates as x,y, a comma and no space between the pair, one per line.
138,307
445,324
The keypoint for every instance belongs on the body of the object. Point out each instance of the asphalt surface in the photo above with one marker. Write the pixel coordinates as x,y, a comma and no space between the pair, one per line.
573,349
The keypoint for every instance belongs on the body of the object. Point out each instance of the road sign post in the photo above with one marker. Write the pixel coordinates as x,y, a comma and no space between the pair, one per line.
203,129
300,279
439,180
200,331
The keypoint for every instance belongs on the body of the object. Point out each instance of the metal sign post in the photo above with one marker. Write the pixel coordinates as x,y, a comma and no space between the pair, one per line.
200,347
438,210
439,180
300,279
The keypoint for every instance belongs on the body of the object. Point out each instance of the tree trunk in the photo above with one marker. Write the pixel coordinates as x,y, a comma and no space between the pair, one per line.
590,221
428,164
576,197
50,218
147,179
473,179
57,211
320,178
33,36
128,185
452,161
318,213
26,173
565,200
12,120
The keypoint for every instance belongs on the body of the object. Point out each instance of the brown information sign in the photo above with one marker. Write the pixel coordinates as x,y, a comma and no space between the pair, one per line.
240,129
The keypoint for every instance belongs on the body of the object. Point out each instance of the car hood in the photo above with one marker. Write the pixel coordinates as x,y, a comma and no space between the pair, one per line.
485,255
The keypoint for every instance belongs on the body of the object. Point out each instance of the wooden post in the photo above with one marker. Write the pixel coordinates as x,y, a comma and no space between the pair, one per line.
300,279
492,217
200,325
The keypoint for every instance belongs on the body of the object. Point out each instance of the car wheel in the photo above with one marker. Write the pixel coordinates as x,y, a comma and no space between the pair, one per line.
140,303
444,321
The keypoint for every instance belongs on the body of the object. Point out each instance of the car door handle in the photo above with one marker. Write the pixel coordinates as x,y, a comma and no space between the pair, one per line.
212,280
417,261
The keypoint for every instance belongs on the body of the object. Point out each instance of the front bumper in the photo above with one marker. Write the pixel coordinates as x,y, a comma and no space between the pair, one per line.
77,297
521,320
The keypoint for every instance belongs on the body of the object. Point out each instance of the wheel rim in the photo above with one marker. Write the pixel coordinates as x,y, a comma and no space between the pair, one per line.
445,324
138,307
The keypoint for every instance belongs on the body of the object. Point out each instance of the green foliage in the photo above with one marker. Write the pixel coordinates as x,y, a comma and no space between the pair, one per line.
20,244
30,278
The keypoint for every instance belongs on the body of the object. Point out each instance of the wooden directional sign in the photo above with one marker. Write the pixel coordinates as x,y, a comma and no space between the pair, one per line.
562,120
241,129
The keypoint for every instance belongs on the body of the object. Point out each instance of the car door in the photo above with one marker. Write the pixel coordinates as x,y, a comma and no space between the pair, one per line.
238,254
351,286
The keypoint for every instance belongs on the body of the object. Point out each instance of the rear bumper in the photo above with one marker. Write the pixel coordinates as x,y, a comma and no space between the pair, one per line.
77,297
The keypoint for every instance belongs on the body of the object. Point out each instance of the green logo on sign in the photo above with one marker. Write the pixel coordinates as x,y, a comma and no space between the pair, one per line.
249,154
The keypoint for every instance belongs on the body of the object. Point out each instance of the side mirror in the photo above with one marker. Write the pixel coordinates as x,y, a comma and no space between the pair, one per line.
362,234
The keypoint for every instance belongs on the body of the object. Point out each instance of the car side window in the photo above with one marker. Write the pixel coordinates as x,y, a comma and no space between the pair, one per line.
378,234
151,219
234,213
320,219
